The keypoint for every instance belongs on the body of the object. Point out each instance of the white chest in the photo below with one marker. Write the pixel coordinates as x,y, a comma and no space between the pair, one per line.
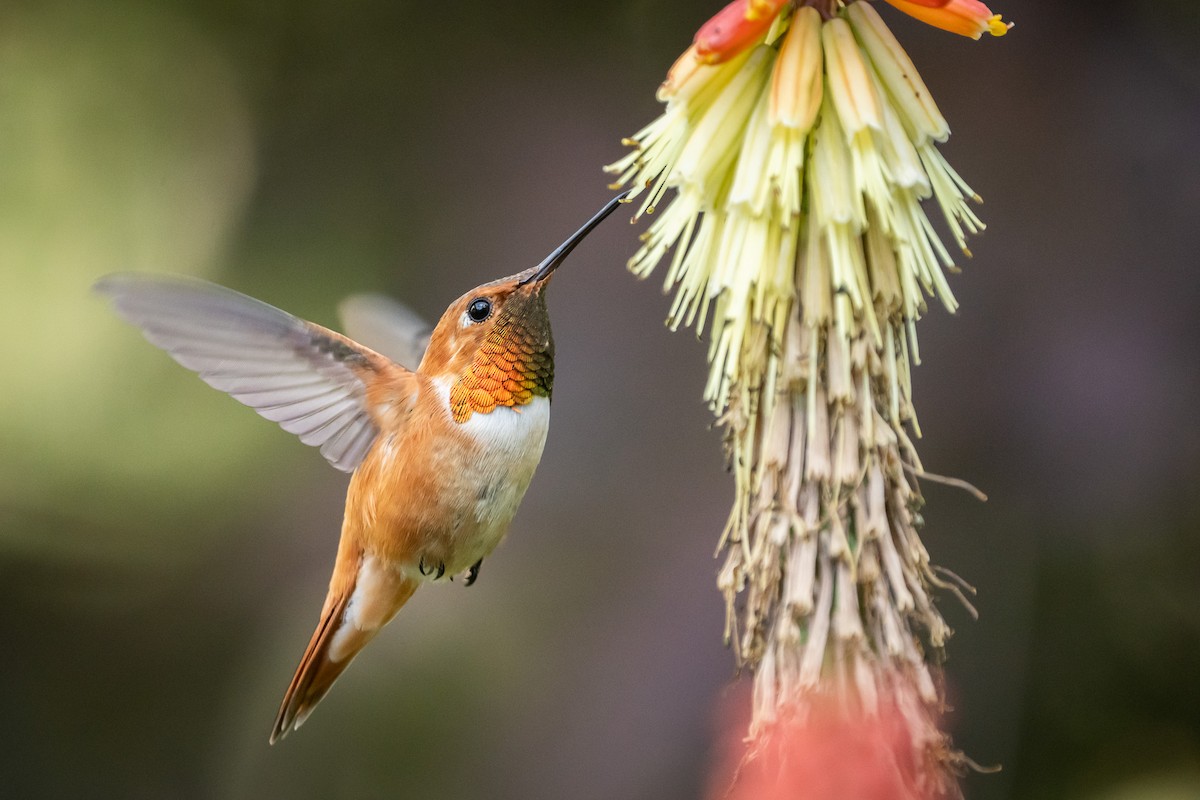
510,443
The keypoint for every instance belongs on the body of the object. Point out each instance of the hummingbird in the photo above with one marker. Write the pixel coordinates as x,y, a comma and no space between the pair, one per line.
440,455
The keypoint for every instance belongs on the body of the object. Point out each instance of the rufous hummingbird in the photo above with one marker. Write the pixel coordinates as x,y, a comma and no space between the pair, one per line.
440,456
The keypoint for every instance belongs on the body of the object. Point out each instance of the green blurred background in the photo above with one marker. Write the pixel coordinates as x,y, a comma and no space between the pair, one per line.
164,552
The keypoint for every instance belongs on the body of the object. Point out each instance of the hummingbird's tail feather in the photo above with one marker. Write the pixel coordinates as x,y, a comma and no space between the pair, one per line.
350,619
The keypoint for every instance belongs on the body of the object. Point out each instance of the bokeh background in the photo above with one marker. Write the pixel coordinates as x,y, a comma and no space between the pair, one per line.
164,552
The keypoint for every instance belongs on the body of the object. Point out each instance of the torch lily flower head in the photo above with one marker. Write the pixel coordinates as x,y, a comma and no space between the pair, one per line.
787,179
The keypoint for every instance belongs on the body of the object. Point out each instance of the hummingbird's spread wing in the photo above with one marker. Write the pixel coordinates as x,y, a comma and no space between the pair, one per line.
390,327
310,380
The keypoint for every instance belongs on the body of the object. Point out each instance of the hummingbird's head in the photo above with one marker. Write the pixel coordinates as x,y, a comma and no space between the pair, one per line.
494,342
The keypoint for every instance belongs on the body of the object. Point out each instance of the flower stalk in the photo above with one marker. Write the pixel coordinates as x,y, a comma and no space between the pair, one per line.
801,145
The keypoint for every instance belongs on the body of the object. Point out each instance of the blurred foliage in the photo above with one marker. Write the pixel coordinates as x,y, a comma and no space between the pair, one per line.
127,145
163,552
1114,633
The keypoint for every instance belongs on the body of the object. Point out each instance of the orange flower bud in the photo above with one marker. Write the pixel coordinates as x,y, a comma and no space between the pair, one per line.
965,17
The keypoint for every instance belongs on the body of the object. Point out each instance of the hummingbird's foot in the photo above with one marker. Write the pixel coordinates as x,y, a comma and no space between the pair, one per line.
473,573
440,569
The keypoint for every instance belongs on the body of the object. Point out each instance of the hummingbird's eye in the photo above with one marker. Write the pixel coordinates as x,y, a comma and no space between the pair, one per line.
479,309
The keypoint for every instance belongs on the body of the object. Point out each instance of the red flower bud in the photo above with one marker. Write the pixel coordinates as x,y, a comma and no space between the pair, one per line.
735,28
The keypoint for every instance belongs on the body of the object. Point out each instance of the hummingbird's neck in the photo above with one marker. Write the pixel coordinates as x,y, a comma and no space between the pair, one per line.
513,364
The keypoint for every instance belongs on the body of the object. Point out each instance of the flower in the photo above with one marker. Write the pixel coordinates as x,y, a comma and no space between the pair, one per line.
800,145
965,17
734,28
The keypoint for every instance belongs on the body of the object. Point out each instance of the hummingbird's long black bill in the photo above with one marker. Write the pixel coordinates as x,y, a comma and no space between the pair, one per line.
552,261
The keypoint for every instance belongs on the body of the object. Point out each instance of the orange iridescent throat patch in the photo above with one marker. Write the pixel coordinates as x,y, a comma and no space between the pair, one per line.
513,365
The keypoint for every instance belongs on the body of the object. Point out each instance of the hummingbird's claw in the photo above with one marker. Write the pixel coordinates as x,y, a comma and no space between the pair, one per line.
473,573
440,569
